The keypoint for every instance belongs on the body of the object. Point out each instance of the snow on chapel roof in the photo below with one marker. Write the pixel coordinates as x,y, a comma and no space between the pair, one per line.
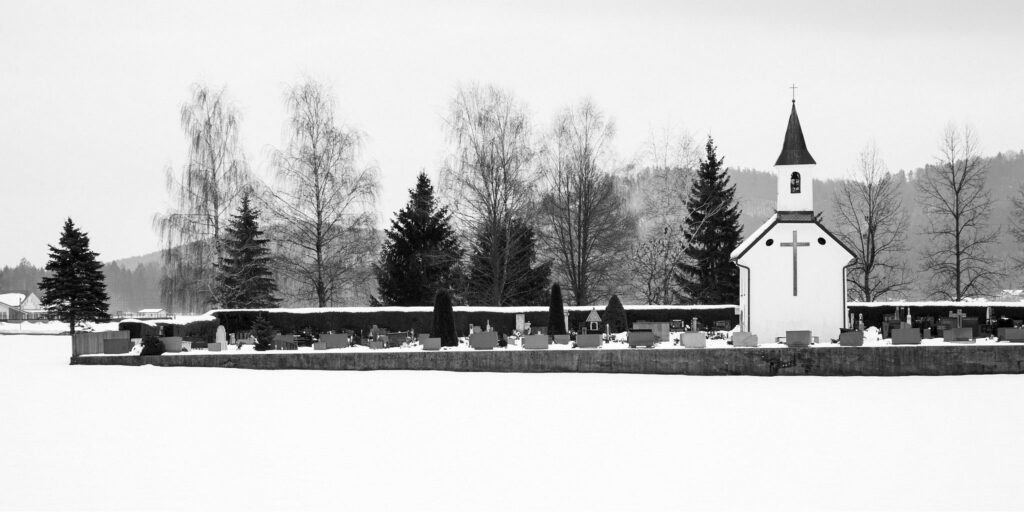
753,238
794,149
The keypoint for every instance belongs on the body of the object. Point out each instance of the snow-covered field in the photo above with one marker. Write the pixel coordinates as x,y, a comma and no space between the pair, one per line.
107,438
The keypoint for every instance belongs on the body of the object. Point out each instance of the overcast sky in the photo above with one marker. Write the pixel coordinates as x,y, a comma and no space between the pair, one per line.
90,92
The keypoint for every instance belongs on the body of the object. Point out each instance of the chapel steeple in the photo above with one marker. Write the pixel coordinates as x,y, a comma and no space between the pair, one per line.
794,149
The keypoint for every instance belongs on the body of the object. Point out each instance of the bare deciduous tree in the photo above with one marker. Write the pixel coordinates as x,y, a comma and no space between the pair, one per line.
663,182
588,227
1016,226
957,204
870,220
489,181
323,208
203,197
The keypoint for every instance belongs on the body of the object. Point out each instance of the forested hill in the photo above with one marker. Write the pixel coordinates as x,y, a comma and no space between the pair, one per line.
755,191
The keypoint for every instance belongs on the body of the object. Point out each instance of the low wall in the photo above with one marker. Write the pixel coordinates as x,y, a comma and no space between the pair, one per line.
822,361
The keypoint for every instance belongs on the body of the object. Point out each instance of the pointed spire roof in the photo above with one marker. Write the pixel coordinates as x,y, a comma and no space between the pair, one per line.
794,149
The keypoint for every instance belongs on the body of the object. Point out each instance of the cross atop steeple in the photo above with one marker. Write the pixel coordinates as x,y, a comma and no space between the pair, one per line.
793,88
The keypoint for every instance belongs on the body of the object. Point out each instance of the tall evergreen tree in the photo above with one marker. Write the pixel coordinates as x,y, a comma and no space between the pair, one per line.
244,279
443,325
75,291
421,253
519,282
712,231
556,311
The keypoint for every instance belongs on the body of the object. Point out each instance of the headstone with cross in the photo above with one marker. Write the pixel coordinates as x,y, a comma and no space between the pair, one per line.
959,315
795,245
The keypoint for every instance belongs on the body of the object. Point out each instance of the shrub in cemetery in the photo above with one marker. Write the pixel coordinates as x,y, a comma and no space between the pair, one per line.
152,346
137,329
75,292
263,332
556,311
615,315
444,321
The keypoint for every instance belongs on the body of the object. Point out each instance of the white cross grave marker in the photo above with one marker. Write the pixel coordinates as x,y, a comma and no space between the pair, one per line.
794,245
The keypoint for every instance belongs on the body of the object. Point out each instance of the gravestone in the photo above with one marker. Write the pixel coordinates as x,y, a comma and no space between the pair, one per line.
661,330
588,341
535,342
694,340
744,339
486,340
396,339
1011,334
676,325
376,343
118,345
958,335
220,342
431,343
335,340
285,342
796,339
851,339
906,336
561,339
172,343
638,338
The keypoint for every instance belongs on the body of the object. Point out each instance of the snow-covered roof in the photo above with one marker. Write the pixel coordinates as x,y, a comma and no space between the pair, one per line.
12,299
481,309
936,303
151,310
752,239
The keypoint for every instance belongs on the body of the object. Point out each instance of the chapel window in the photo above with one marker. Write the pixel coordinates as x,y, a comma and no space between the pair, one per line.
794,183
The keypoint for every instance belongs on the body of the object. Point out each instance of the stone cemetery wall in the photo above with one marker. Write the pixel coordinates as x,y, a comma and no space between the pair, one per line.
820,361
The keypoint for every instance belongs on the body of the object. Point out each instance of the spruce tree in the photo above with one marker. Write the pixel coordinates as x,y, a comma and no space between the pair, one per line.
519,281
712,231
556,311
75,291
421,253
615,315
244,279
443,325
263,332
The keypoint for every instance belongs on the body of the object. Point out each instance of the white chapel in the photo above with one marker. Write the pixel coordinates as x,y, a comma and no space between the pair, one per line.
792,270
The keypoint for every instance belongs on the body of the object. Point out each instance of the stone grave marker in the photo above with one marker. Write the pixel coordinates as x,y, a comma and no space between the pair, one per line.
588,341
640,338
851,339
561,339
958,335
694,340
335,340
535,342
1011,334
487,340
431,343
172,344
906,336
744,339
795,339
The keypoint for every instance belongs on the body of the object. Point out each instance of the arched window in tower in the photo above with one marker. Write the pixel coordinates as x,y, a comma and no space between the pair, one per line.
794,183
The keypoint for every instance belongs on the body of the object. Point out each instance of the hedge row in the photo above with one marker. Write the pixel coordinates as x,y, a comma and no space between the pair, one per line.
205,330
289,322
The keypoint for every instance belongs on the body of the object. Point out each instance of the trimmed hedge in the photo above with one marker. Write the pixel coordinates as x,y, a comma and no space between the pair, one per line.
288,322
138,329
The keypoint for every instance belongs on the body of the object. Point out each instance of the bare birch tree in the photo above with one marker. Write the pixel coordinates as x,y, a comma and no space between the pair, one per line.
489,180
870,220
957,205
663,182
203,196
323,208
588,227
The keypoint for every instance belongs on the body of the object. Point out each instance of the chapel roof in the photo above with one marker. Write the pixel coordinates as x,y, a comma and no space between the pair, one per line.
794,149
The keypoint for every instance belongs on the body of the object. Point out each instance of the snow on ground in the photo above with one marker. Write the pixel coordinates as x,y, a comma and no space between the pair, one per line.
118,438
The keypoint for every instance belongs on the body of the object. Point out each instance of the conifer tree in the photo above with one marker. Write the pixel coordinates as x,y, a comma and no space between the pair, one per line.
517,280
615,315
556,311
443,325
75,291
244,279
264,333
712,231
421,253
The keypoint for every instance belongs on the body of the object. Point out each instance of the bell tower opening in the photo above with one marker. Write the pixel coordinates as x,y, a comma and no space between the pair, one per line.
794,183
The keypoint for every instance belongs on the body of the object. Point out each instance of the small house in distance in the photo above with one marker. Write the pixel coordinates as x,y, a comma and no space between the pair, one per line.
153,313
21,306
